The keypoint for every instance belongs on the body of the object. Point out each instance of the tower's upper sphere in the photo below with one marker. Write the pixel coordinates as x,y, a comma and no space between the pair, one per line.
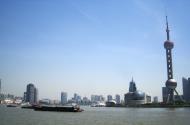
171,83
168,44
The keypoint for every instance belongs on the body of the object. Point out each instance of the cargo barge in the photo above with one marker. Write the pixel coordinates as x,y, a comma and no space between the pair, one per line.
58,108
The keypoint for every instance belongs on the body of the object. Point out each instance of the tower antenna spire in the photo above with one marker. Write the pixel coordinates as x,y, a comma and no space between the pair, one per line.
167,29
132,78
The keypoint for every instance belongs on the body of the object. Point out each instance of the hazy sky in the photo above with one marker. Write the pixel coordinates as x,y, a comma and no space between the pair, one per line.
91,46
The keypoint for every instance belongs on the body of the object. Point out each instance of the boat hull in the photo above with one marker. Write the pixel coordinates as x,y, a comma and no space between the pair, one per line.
57,109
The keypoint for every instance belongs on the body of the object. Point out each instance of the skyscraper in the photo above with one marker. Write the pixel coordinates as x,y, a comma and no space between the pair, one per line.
35,95
117,99
97,98
63,98
31,94
171,84
24,97
165,94
0,86
155,99
186,89
132,86
109,98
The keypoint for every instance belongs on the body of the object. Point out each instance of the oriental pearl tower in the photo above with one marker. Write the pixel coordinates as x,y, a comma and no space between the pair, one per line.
171,84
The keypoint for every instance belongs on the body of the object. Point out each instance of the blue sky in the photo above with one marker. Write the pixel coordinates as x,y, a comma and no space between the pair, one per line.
91,46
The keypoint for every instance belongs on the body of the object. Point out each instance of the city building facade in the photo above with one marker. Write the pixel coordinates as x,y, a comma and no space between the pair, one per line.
117,99
132,86
63,98
135,97
186,89
31,94
109,98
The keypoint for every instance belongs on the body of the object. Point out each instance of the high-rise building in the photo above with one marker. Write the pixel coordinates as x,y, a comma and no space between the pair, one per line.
171,84
31,94
109,98
97,98
186,89
35,95
0,86
136,97
63,98
76,98
117,99
165,94
1,96
132,86
155,99
24,97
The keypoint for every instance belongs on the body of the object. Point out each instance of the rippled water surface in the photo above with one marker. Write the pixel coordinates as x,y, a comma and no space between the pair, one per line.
96,116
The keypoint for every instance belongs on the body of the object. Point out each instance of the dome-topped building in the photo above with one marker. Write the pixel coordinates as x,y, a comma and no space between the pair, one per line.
136,97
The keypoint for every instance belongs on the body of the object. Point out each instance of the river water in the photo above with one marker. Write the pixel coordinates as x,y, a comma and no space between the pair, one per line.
96,116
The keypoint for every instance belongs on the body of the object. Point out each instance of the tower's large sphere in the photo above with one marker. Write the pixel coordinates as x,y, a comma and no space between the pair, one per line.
171,84
168,44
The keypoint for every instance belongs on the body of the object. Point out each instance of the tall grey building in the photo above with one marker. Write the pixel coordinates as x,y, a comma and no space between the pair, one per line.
24,97
31,94
109,98
186,89
136,97
76,98
63,98
165,92
132,86
97,98
117,99
35,95
0,86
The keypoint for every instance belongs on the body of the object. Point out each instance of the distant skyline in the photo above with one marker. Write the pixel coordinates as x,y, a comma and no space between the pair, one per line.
91,47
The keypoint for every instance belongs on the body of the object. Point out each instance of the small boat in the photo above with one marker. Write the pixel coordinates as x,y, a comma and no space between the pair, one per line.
27,106
58,108
98,104
12,105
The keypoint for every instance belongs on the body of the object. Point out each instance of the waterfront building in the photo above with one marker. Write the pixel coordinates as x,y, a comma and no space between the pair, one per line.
165,92
76,98
63,98
31,94
111,103
0,93
97,98
135,97
186,89
155,100
35,95
179,98
45,101
147,99
24,97
92,98
109,98
171,84
132,86
0,86
85,101
117,99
